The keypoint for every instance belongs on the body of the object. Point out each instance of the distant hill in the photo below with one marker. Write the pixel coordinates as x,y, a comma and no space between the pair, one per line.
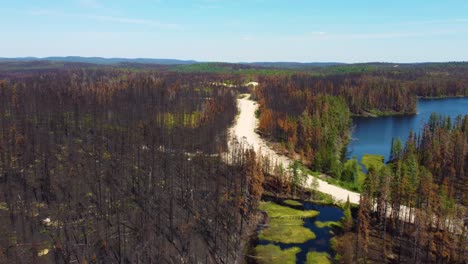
294,65
319,68
110,61
104,61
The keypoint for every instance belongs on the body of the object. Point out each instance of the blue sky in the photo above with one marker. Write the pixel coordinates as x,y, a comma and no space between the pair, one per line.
238,30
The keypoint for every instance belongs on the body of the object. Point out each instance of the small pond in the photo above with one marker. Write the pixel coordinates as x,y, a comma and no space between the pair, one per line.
323,235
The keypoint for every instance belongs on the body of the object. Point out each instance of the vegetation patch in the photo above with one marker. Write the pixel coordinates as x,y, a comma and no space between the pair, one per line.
369,161
207,90
277,211
271,254
330,224
315,173
43,252
4,206
183,120
286,224
287,231
318,258
292,203
352,178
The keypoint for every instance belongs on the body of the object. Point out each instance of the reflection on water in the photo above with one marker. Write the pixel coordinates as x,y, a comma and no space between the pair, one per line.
374,135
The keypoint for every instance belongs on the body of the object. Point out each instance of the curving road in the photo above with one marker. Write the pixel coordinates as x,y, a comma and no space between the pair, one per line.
244,129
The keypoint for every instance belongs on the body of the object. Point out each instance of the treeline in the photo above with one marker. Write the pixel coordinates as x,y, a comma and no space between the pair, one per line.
109,166
378,92
364,94
419,200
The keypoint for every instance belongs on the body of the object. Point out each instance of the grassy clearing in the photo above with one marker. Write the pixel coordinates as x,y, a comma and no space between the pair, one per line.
287,231
369,160
318,258
271,254
330,224
292,203
277,211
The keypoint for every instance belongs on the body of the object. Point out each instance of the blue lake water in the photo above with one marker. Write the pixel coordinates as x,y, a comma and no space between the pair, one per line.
374,135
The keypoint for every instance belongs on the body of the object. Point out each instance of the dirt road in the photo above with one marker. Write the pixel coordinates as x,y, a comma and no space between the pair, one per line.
244,129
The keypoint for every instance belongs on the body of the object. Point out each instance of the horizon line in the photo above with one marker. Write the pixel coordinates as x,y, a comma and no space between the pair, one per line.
229,62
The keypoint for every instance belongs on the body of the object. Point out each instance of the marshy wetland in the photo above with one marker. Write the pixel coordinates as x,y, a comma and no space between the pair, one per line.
296,232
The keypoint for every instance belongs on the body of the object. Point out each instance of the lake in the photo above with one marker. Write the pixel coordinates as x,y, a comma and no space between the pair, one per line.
373,135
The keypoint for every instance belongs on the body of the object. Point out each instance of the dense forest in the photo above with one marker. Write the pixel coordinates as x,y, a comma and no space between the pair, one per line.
420,201
109,166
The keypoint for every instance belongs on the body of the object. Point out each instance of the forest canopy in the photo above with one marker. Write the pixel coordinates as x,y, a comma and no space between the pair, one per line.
121,167
131,162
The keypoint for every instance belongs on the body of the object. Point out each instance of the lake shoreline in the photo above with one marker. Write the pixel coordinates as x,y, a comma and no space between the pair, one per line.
373,135
377,113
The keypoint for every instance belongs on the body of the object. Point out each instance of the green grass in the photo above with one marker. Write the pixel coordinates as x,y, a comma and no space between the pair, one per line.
3,206
330,224
292,203
304,169
277,211
315,173
286,224
369,160
271,254
323,198
318,258
287,231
